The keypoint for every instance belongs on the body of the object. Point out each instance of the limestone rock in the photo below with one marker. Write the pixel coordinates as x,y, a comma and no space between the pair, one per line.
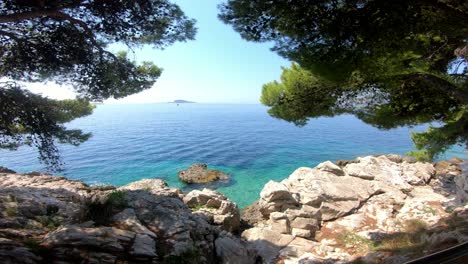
364,200
127,220
251,215
297,247
12,252
215,206
276,196
143,246
106,238
330,167
154,186
299,232
461,182
231,250
6,170
266,242
279,222
381,168
53,200
327,214
305,223
177,229
199,173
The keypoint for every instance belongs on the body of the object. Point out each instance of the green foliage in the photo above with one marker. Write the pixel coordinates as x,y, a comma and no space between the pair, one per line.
390,63
117,199
33,120
359,243
101,212
411,240
65,42
35,247
190,256
50,222
438,139
291,98
11,211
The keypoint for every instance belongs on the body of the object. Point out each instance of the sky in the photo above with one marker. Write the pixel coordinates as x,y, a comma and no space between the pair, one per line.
217,67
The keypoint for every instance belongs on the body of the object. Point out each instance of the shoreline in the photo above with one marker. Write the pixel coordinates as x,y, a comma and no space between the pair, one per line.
316,214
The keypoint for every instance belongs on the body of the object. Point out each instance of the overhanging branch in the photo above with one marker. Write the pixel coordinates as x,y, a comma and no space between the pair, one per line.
443,85
18,17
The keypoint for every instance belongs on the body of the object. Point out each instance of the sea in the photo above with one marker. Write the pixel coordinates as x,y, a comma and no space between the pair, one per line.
132,142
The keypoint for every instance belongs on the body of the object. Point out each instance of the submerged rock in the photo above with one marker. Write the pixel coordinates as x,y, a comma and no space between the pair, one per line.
199,173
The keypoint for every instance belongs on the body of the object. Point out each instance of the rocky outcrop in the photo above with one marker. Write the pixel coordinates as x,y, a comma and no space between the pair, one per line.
376,209
233,250
216,208
45,218
199,173
6,170
358,211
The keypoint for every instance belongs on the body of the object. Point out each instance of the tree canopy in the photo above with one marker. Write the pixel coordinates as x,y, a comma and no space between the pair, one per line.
390,63
66,42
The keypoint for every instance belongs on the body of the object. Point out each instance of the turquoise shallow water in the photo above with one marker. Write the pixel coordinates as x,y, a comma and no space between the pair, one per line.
131,142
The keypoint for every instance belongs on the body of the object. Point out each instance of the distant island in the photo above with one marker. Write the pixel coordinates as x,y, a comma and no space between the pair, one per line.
182,102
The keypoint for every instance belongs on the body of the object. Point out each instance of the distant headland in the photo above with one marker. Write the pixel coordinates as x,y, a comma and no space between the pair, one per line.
181,102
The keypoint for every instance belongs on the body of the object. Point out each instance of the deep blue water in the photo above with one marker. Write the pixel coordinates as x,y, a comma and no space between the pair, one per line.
132,142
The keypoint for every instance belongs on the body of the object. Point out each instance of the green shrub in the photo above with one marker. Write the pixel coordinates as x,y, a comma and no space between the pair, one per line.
188,257
117,199
11,211
100,212
361,244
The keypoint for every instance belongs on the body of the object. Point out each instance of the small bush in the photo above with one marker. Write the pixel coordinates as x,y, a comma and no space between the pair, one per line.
429,210
359,243
35,247
188,257
117,199
101,212
415,226
11,211
48,221
410,241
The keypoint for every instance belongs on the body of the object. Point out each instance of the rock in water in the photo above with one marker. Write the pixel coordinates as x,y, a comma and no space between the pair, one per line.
199,173
6,170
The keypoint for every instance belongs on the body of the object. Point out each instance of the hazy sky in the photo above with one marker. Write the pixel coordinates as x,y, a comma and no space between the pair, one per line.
217,67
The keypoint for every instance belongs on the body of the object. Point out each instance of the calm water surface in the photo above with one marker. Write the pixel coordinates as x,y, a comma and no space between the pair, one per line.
131,142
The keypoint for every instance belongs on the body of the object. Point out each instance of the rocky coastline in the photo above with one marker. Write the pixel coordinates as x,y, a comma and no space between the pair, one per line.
375,209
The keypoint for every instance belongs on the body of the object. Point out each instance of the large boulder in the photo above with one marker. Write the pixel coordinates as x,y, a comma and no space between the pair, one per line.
402,175
6,170
199,173
104,238
12,252
232,250
461,183
214,207
43,200
266,242
179,233
154,186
